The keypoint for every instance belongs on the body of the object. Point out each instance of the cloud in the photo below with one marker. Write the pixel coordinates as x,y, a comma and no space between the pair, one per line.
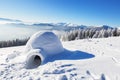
9,20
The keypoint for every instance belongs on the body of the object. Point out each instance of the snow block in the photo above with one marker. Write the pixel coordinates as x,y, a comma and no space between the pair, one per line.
40,46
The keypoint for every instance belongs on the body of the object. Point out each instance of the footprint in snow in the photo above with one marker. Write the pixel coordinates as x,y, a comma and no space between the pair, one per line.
12,68
62,69
92,76
12,55
63,77
65,65
115,60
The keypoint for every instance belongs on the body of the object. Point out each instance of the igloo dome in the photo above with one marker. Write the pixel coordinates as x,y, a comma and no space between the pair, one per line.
41,45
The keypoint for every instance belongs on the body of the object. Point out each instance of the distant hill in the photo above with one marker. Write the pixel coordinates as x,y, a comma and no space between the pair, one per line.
49,26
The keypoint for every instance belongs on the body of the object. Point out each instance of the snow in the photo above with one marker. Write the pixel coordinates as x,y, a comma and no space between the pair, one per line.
47,42
43,45
100,61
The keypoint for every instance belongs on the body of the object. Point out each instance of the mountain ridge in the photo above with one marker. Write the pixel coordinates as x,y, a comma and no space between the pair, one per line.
56,26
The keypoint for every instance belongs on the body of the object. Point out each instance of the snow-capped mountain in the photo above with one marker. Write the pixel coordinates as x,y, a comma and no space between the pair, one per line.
118,28
20,29
52,26
106,27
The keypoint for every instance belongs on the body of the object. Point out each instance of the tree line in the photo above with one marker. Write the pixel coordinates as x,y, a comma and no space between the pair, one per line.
70,35
89,33
16,42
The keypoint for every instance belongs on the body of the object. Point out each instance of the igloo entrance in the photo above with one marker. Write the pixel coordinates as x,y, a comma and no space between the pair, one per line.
33,61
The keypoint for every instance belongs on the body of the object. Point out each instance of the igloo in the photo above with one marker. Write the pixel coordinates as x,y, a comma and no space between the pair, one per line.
40,46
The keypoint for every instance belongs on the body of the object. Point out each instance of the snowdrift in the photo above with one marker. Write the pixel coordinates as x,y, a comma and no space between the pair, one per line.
40,46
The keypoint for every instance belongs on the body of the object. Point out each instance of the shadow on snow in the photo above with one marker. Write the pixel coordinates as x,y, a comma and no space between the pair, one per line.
69,55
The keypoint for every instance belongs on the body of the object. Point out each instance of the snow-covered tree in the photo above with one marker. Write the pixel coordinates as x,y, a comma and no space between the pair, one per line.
90,33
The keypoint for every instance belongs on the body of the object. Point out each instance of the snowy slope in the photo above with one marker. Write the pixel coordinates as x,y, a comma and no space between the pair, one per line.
104,66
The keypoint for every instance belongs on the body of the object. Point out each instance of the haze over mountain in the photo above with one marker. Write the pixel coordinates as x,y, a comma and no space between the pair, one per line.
56,26
20,29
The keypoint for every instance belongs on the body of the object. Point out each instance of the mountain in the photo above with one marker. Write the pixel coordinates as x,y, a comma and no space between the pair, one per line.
106,27
61,26
49,26
42,24
7,20
69,26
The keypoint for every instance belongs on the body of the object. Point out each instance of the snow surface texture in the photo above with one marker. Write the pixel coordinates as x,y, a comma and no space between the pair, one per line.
104,66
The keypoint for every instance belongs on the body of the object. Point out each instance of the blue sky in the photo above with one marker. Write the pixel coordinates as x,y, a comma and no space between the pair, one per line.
86,12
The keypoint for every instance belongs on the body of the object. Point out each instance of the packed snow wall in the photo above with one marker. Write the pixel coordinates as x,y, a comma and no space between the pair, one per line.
40,46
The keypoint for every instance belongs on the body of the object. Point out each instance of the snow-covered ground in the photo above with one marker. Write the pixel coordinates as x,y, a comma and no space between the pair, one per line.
81,65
